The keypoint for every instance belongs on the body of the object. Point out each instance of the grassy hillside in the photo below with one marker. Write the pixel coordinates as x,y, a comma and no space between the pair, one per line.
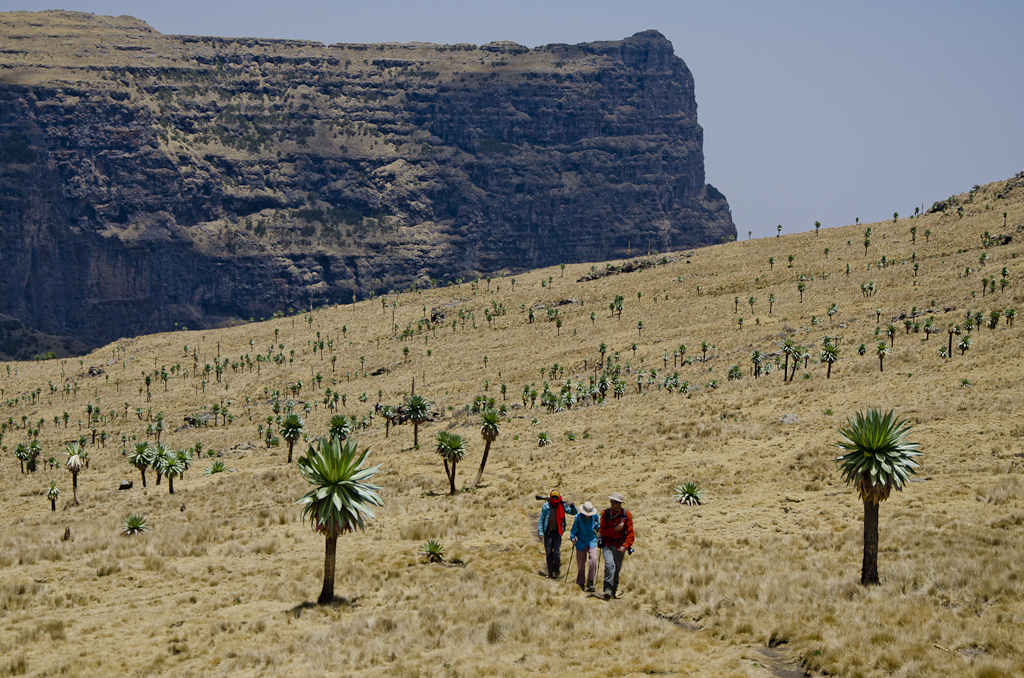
760,577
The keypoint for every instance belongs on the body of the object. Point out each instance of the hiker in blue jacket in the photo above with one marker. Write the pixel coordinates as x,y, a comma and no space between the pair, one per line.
584,538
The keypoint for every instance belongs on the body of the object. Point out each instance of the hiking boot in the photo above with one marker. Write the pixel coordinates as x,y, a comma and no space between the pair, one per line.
607,595
590,588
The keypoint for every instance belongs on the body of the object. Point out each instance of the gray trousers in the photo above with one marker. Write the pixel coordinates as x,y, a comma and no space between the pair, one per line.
612,568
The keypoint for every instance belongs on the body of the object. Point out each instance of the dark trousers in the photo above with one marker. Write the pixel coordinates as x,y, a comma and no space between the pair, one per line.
553,550
612,568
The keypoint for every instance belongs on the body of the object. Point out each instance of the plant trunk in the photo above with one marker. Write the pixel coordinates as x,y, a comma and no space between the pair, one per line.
143,471
451,477
74,487
327,595
159,477
881,368
828,373
53,504
415,434
170,483
483,462
291,444
869,569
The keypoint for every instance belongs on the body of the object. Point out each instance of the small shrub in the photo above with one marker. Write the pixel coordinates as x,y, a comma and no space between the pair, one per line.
134,524
689,493
108,569
433,550
215,467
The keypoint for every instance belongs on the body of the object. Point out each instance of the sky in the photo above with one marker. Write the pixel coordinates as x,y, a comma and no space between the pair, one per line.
812,111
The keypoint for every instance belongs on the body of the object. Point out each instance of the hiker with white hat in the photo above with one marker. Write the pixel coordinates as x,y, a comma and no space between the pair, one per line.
584,537
616,531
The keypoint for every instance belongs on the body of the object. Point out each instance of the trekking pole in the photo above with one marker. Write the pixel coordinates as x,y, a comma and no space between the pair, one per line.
572,551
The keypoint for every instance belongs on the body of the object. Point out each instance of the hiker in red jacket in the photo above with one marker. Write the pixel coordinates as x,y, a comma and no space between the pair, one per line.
550,527
616,531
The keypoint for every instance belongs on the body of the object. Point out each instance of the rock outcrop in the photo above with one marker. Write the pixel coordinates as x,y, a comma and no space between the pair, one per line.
151,181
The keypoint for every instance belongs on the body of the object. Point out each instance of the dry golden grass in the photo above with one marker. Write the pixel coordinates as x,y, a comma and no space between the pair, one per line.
772,559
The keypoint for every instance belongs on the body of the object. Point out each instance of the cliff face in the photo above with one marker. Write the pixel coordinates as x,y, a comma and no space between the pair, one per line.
150,180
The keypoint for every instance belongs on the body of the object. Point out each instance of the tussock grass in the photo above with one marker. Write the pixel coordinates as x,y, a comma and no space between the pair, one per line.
224,579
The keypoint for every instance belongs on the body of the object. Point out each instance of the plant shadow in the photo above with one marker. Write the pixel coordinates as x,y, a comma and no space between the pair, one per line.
337,603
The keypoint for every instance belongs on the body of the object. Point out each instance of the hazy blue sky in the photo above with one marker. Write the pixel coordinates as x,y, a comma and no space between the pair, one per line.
812,110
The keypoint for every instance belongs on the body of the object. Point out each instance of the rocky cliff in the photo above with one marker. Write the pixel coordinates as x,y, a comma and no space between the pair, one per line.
149,181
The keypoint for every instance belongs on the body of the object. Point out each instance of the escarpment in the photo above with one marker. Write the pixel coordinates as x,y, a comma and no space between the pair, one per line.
150,181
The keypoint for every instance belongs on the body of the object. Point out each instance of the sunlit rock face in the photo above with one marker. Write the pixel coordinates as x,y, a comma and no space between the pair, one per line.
150,181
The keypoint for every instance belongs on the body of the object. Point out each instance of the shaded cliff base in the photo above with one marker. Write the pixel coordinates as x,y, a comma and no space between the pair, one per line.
18,341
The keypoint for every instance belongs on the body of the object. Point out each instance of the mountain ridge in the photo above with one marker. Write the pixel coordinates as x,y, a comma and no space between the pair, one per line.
151,182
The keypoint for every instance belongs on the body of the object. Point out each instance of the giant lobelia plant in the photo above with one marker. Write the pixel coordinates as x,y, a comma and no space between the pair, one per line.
341,499
878,460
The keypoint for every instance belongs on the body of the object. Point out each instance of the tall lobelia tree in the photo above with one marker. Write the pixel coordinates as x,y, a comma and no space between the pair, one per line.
140,458
417,410
890,331
829,355
340,427
34,449
490,428
21,454
52,494
173,467
877,460
452,449
158,456
341,498
75,464
881,350
788,349
292,427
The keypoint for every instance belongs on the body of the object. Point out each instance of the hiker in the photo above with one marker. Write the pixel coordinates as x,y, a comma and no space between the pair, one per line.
616,531
584,537
550,527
